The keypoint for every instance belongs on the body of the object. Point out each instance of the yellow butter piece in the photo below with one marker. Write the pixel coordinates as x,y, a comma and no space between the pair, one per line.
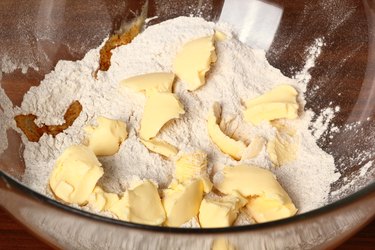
230,126
254,148
221,211
270,111
96,199
160,82
120,208
193,166
226,144
280,102
281,150
145,205
140,204
282,93
106,138
101,200
207,184
159,109
248,180
193,61
182,201
252,182
283,128
110,200
222,244
160,147
264,209
220,36
75,175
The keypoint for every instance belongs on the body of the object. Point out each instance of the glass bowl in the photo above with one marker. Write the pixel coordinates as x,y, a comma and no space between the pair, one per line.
36,34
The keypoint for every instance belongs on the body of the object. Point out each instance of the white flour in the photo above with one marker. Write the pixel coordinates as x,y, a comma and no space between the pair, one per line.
240,73
6,118
8,66
355,182
313,53
322,122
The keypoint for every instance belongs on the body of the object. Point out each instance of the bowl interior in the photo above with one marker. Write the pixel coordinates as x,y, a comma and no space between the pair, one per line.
35,36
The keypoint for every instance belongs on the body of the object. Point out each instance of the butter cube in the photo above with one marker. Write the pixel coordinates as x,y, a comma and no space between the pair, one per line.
120,208
182,201
283,128
190,166
145,205
159,109
220,36
226,144
140,204
251,182
75,175
193,61
160,82
100,200
106,138
248,180
160,147
280,102
254,148
193,166
281,150
221,211
96,199
264,209
222,244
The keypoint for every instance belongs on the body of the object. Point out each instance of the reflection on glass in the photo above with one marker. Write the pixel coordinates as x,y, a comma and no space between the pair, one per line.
256,21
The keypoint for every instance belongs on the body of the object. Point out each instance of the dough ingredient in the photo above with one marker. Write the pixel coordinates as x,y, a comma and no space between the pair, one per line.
106,138
33,132
75,175
159,109
193,61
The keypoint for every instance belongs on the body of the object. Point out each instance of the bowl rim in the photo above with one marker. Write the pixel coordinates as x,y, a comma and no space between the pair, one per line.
341,203
11,181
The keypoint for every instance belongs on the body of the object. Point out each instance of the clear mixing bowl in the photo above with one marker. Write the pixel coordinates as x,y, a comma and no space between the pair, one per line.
34,35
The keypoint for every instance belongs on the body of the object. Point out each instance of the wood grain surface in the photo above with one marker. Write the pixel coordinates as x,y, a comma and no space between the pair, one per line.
14,236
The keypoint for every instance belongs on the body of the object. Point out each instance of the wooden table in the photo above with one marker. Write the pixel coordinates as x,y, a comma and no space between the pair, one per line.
14,236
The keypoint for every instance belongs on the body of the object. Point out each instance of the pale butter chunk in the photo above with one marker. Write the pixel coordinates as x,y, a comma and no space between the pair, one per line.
140,204
193,166
264,209
257,183
160,147
255,147
280,102
220,36
159,81
193,61
222,244
283,148
182,201
106,138
101,200
75,175
226,144
159,109
220,211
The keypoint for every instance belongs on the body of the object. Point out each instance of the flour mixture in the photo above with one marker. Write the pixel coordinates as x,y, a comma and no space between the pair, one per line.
237,74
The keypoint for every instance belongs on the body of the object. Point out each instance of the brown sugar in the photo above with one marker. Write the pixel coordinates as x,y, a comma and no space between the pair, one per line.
124,35
33,132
